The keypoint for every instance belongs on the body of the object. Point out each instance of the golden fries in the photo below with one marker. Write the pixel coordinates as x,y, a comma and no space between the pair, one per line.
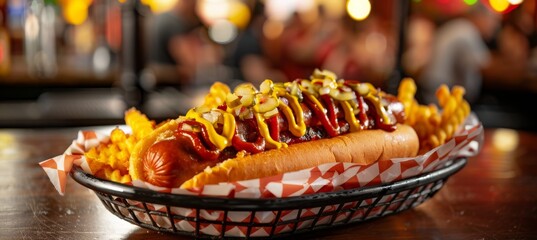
433,126
141,126
111,160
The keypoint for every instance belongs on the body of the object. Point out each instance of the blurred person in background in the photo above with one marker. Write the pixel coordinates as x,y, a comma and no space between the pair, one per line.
307,41
248,56
514,51
179,46
344,59
420,37
365,52
459,53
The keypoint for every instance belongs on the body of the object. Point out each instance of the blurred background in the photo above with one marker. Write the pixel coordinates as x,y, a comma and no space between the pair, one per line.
84,62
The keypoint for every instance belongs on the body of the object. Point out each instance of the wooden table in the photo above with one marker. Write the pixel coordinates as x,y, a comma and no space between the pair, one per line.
493,197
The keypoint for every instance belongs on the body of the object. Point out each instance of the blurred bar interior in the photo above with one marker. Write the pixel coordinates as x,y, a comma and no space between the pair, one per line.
84,62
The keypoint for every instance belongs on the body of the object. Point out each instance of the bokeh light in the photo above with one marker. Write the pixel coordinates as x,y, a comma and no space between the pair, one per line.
470,2
358,9
515,2
233,11
499,5
502,6
223,31
505,139
272,29
101,60
212,10
31,27
280,10
76,11
239,14
158,6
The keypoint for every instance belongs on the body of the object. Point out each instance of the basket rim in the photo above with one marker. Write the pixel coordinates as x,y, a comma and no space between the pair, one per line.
238,204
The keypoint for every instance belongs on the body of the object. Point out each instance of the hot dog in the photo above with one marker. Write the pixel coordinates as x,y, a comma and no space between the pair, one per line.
281,127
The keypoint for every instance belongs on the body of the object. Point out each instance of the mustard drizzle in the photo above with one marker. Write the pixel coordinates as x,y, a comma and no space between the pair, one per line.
292,111
350,116
264,131
297,126
220,141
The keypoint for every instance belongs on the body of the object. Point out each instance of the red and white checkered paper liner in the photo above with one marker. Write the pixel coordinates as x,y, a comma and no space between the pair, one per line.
324,178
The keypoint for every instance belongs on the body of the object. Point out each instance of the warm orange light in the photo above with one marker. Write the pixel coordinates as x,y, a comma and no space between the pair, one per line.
76,12
239,14
232,11
67,2
505,139
308,11
499,5
84,38
158,6
273,29
5,63
333,9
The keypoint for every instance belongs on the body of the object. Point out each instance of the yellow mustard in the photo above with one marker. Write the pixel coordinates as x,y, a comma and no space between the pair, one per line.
315,100
378,106
264,131
292,111
297,126
350,116
229,126
220,141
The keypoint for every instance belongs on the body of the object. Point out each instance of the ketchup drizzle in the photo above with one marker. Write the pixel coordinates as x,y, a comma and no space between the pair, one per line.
379,123
195,144
331,130
274,127
329,102
367,115
203,130
252,147
362,116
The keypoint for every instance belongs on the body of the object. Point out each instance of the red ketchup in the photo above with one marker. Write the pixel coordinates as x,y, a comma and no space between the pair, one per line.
247,138
331,107
331,130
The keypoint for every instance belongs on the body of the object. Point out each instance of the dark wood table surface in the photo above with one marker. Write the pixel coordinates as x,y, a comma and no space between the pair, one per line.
493,197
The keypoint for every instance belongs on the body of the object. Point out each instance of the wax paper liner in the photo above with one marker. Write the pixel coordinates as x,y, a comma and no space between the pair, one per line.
324,178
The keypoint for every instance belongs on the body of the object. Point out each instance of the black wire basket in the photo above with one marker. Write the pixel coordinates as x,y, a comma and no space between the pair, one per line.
218,217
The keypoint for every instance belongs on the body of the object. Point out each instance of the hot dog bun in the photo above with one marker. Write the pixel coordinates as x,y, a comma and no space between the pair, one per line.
363,147
136,168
